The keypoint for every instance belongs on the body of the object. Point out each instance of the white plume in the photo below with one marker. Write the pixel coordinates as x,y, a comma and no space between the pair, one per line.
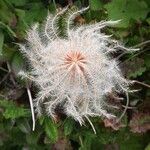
75,73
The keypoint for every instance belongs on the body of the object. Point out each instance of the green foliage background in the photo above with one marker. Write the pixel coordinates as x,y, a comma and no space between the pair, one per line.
16,16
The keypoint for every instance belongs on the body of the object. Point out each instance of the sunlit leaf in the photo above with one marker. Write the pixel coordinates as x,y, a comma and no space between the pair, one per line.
11,111
126,10
147,147
1,41
8,29
17,63
51,129
68,126
95,4
19,2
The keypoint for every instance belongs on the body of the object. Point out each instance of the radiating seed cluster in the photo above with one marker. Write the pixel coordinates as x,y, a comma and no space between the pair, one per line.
76,72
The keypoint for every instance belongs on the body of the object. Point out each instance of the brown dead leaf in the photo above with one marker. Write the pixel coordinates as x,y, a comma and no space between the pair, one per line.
140,122
62,144
80,20
113,123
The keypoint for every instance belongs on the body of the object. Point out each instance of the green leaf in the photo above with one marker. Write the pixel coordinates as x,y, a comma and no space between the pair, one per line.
78,3
22,25
12,111
147,147
20,13
148,20
15,112
68,126
41,120
17,63
6,103
7,53
147,61
51,129
148,2
17,137
36,13
131,143
6,14
95,4
32,138
134,67
8,29
24,126
137,73
1,41
126,10
97,145
86,140
18,2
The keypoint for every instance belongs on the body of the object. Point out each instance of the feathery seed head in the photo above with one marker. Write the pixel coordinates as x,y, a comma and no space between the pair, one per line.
76,72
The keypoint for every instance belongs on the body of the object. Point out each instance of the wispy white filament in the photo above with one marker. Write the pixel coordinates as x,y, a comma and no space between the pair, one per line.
32,109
